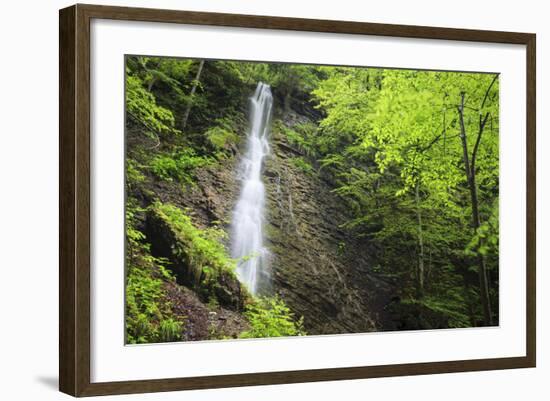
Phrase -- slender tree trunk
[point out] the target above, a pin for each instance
(151, 83)
(476, 221)
(420, 271)
(192, 95)
(430, 266)
(469, 302)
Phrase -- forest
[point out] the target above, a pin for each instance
(374, 193)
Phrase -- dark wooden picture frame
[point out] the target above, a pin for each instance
(74, 203)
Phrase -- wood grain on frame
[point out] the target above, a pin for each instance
(74, 199)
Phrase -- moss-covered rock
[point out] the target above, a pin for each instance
(196, 257)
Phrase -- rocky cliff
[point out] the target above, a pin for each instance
(322, 271)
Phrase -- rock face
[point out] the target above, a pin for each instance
(211, 199)
(203, 321)
(319, 269)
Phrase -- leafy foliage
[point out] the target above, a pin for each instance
(302, 165)
(180, 165)
(271, 317)
(141, 106)
(304, 136)
(134, 176)
(222, 136)
(485, 239)
(392, 140)
(149, 316)
(201, 248)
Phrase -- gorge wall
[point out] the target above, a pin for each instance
(318, 268)
(321, 271)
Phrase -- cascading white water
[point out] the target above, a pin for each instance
(247, 237)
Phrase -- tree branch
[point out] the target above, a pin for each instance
(482, 123)
(463, 137)
(488, 90)
(478, 139)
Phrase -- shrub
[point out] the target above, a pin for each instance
(271, 317)
(133, 175)
(219, 137)
(201, 248)
(178, 166)
(169, 330)
(149, 316)
(142, 106)
(302, 165)
(302, 136)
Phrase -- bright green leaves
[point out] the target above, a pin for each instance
(180, 165)
(149, 317)
(271, 317)
(386, 140)
(134, 176)
(141, 106)
(391, 141)
(222, 136)
(345, 97)
(486, 238)
(219, 137)
(202, 248)
(405, 125)
(304, 137)
(301, 164)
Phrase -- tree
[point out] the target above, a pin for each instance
(470, 169)
(192, 95)
(403, 125)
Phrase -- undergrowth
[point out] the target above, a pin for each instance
(271, 317)
(149, 316)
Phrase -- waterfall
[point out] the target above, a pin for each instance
(247, 237)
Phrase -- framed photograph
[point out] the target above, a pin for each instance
(250, 200)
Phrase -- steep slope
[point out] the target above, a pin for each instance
(318, 268)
